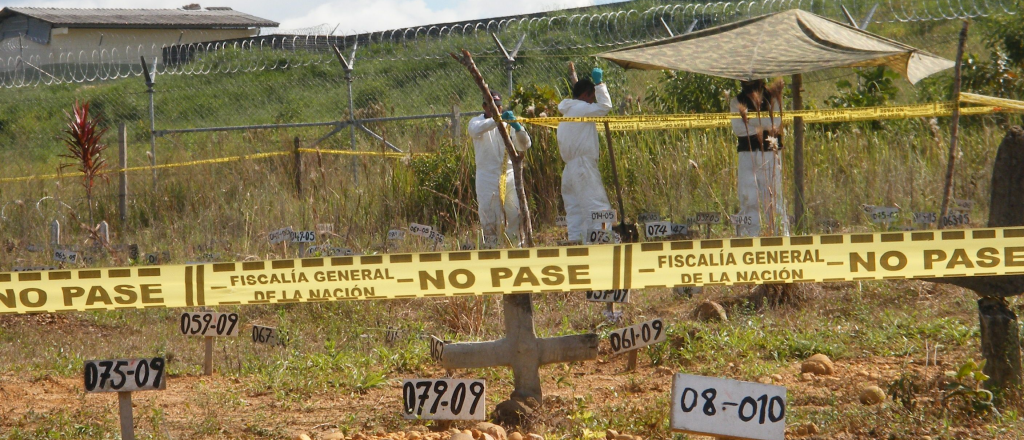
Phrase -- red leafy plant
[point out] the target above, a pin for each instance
(83, 137)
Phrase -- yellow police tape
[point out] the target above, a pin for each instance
(818, 258)
(213, 161)
(361, 153)
(716, 120)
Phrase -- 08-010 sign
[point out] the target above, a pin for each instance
(728, 408)
(444, 399)
(209, 324)
(122, 375)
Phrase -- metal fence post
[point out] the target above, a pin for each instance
(349, 65)
(122, 194)
(456, 122)
(150, 78)
(298, 168)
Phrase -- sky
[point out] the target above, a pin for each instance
(350, 16)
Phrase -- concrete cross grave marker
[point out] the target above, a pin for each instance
(521, 349)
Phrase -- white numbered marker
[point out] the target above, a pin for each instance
(956, 220)
(266, 335)
(119, 375)
(209, 324)
(560, 221)
(280, 235)
(924, 218)
(708, 218)
(444, 399)
(678, 229)
(65, 256)
(741, 220)
(420, 230)
(599, 236)
(657, 229)
(396, 234)
(638, 336)
(884, 214)
(605, 216)
(436, 349)
(648, 217)
(608, 296)
(303, 237)
(437, 237)
(728, 408)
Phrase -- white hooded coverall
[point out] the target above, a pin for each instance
(759, 176)
(490, 153)
(582, 189)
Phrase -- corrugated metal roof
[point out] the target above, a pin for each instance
(141, 18)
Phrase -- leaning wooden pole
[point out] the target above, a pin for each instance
(954, 129)
(517, 159)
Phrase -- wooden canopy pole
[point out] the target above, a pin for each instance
(798, 156)
(954, 127)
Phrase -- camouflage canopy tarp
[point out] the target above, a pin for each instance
(782, 43)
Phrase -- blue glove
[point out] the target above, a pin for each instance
(507, 115)
(597, 75)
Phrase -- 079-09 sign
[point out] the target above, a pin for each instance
(121, 375)
(444, 399)
(728, 408)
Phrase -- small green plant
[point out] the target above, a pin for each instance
(685, 92)
(84, 140)
(875, 87)
(905, 389)
(966, 388)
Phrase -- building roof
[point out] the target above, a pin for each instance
(210, 18)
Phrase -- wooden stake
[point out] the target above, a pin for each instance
(954, 128)
(122, 194)
(208, 357)
(615, 173)
(124, 406)
(517, 159)
(456, 122)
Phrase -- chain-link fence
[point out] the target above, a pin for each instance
(215, 93)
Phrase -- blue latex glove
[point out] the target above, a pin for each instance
(509, 117)
(597, 75)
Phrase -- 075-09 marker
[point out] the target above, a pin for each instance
(121, 375)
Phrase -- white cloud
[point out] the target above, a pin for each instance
(351, 16)
(354, 16)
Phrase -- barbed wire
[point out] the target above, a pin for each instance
(118, 56)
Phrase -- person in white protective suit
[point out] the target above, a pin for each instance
(494, 174)
(759, 174)
(582, 189)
